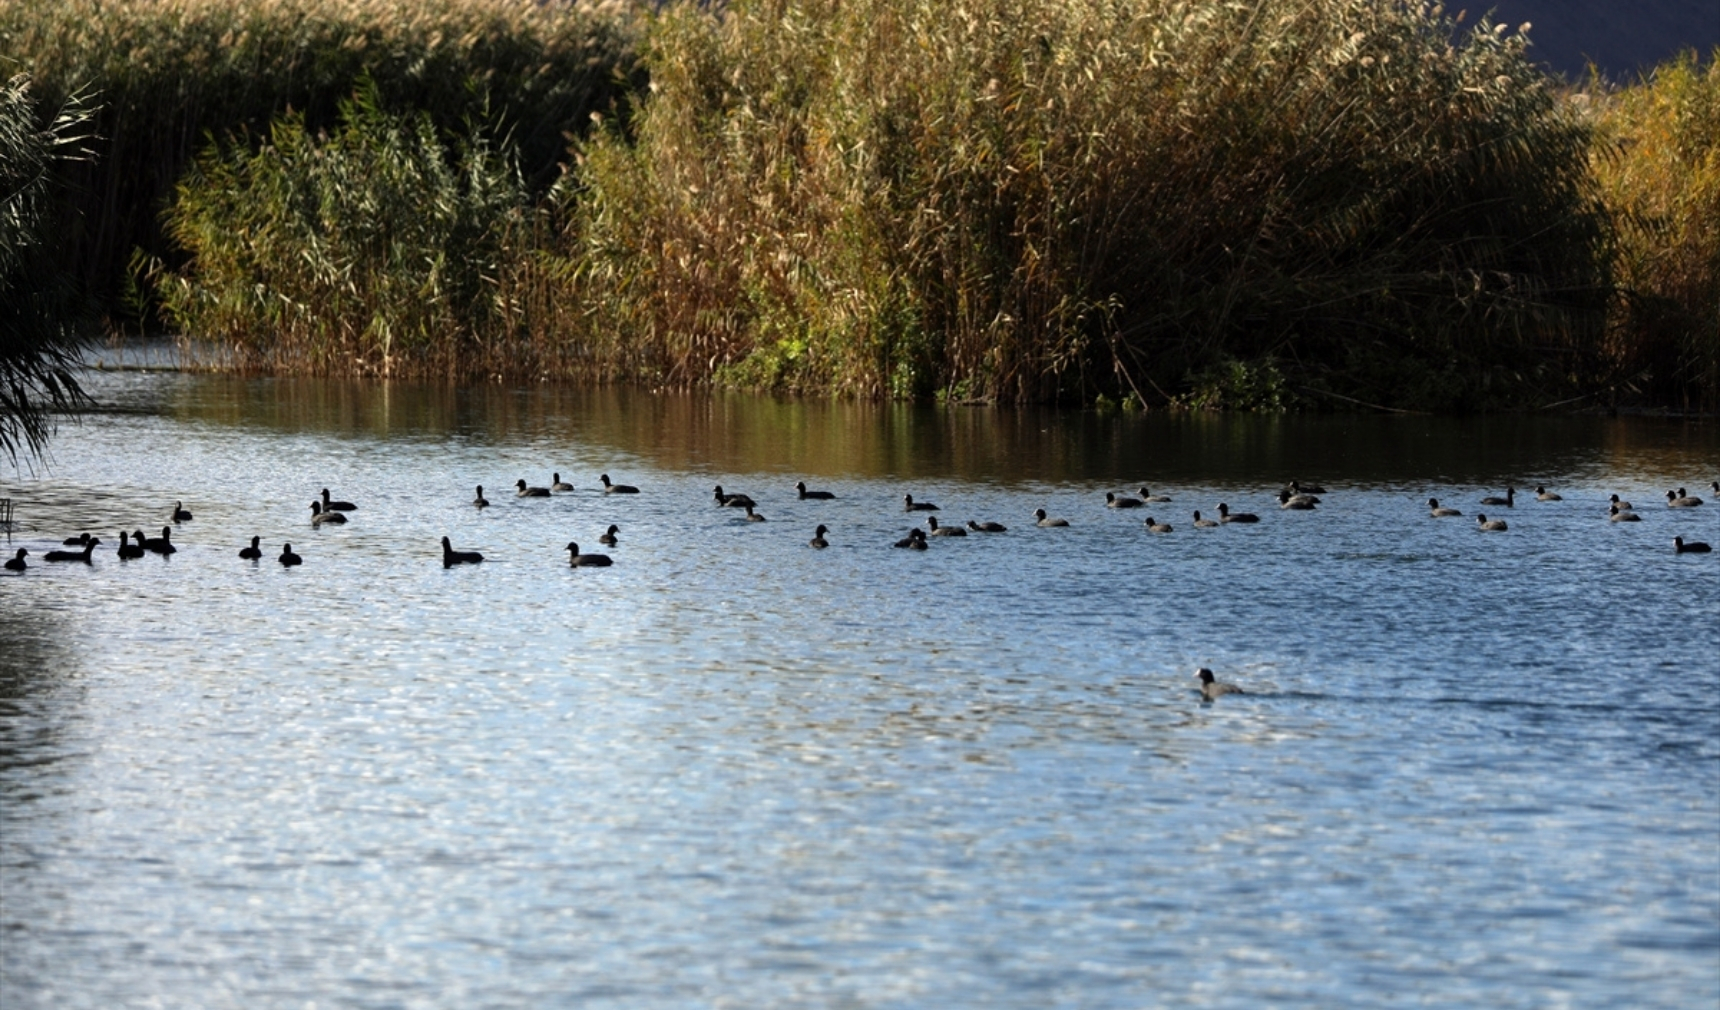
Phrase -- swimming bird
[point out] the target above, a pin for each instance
(944, 531)
(162, 545)
(1680, 547)
(1484, 523)
(1618, 515)
(1542, 494)
(1620, 504)
(179, 513)
(83, 555)
(1154, 526)
(452, 557)
(818, 540)
(1296, 488)
(77, 541)
(1148, 497)
(1211, 688)
(481, 501)
(987, 527)
(16, 563)
(321, 518)
(1296, 502)
(910, 505)
(1508, 501)
(1679, 500)
(557, 484)
(805, 495)
(128, 551)
(1203, 523)
(1114, 502)
(753, 517)
(731, 500)
(1041, 519)
(914, 541)
(609, 488)
(530, 492)
(608, 537)
(1436, 510)
(578, 560)
(336, 506)
(253, 552)
(288, 558)
(1225, 516)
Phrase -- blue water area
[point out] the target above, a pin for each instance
(1470, 769)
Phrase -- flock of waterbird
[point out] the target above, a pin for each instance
(1293, 497)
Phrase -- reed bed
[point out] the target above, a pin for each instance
(1658, 166)
(1027, 200)
(169, 74)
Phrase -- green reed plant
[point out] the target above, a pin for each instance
(39, 309)
(171, 72)
(1658, 165)
(373, 250)
(1030, 200)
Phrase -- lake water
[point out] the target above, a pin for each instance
(1472, 769)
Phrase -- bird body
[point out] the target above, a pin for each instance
(1041, 519)
(557, 484)
(1150, 498)
(805, 495)
(127, 551)
(1153, 526)
(1211, 688)
(1115, 502)
(914, 541)
(944, 531)
(1679, 500)
(1296, 502)
(1542, 494)
(987, 527)
(910, 505)
(1620, 504)
(609, 488)
(336, 506)
(253, 552)
(77, 541)
(1509, 501)
(753, 517)
(530, 492)
(288, 559)
(1680, 547)
(578, 560)
(83, 555)
(1436, 510)
(608, 537)
(321, 518)
(1296, 488)
(452, 557)
(1491, 525)
(731, 500)
(480, 501)
(179, 513)
(162, 545)
(818, 540)
(16, 562)
(1622, 515)
(1226, 516)
(1203, 523)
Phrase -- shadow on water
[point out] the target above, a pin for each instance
(35, 665)
(740, 433)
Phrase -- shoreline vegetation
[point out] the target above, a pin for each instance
(1274, 206)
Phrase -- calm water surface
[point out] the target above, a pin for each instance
(1473, 769)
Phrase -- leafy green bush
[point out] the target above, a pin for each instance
(377, 250)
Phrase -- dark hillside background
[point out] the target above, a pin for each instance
(1622, 37)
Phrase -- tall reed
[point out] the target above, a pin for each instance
(169, 73)
(1034, 199)
(1658, 164)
